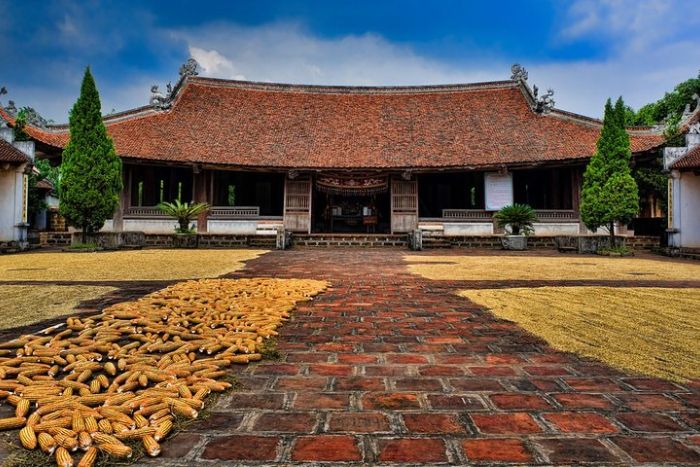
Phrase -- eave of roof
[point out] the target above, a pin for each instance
(690, 161)
(10, 154)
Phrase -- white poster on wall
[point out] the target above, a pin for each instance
(498, 189)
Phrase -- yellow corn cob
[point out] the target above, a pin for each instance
(91, 424)
(110, 368)
(27, 437)
(12, 423)
(137, 433)
(22, 408)
(105, 426)
(150, 445)
(63, 458)
(77, 422)
(163, 430)
(84, 440)
(89, 458)
(46, 443)
(116, 450)
(140, 420)
(104, 438)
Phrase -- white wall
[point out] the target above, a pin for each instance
(689, 210)
(456, 229)
(11, 202)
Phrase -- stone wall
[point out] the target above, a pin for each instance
(61, 239)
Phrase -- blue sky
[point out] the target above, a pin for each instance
(586, 50)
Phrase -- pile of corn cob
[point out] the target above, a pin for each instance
(93, 383)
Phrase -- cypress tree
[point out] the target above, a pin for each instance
(609, 191)
(90, 170)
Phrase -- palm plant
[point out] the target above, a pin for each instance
(183, 212)
(519, 217)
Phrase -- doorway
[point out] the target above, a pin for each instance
(350, 213)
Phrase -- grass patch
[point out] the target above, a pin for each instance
(652, 331)
(82, 246)
(175, 264)
(528, 267)
(269, 350)
(22, 305)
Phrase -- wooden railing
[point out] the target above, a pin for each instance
(480, 215)
(556, 215)
(143, 212)
(234, 212)
(468, 215)
(215, 212)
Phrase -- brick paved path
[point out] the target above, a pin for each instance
(386, 367)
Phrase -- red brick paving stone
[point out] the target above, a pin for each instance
(576, 450)
(357, 358)
(650, 384)
(367, 422)
(329, 369)
(217, 421)
(657, 450)
(412, 450)
(575, 400)
(241, 447)
(301, 383)
(573, 422)
(256, 400)
(505, 423)
(455, 402)
(179, 445)
(496, 450)
(546, 370)
(519, 402)
(441, 370)
(593, 384)
(417, 384)
(276, 369)
(501, 359)
(386, 370)
(359, 383)
(406, 358)
(649, 402)
(285, 421)
(433, 423)
(390, 401)
(476, 384)
(313, 400)
(648, 422)
(492, 370)
(307, 357)
(329, 448)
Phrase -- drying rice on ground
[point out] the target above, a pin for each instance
(26, 304)
(136, 265)
(97, 383)
(653, 331)
(524, 267)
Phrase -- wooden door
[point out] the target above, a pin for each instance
(297, 205)
(404, 205)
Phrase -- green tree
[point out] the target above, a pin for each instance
(90, 171)
(610, 192)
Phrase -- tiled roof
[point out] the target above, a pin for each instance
(689, 161)
(286, 126)
(9, 153)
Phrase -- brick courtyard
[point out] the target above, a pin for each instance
(387, 367)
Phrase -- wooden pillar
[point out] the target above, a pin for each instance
(124, 200)
(199, 188)
(576, 181)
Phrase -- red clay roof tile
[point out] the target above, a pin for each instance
(9, 153)
(690, 161)
(286, 126)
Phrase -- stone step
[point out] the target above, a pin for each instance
(350, 240)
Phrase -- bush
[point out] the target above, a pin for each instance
(518, 217)
(184, 213)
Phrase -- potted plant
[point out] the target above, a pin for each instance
(517, 220)
(184, 213)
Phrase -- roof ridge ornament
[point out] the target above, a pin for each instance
(162, 101)
(518, 73)
(545, 103)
